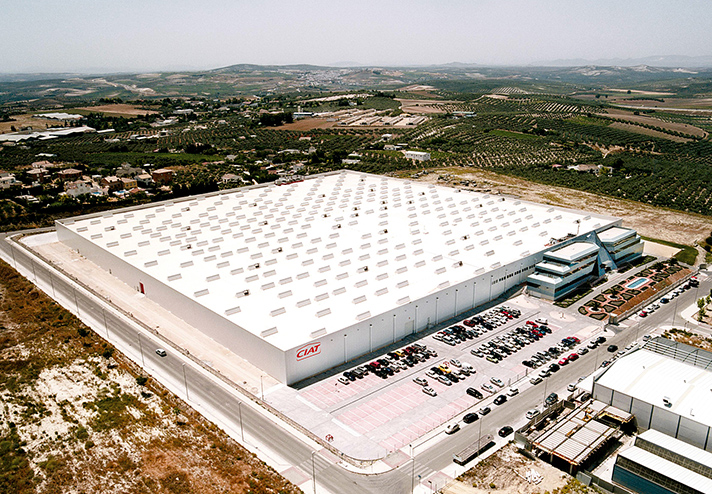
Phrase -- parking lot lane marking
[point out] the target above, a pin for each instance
(346, 428)
(308, 403)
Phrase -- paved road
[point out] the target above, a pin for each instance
(217, 402)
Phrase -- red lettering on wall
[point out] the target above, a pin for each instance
(308, 351)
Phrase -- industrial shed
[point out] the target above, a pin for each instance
(301, 277)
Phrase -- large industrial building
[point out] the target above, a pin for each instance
(666, 385)
(301, 277)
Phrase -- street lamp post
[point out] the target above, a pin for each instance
(412, 475)
(140, 349)
(185, 381)
(262, 387)
(313, 470)
(106, 326)
(242, 431)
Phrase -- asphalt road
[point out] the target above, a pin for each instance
(208, 396)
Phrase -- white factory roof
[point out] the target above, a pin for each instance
(574, 251)
(650, 376)
(320, 255)
(698, 455)
(615, 233)
(671, 470)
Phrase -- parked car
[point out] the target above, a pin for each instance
(474, 393)
(505, 431)
(485, 410)
(582, 351)
(420, 381)
(452, 428)
(551, 399)
(612, 348)
(532, 413)
(430, 391)
(488, 387)
(571, 387)
(470, 417)
(161, 352)
(500, 399)
(513, 391)
(497, 382)
(343, 380)
(535, 380)
(600, 340)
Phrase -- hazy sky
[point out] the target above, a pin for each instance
(127, 35)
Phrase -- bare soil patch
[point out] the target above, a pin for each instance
(648, 132)
(648, 120)
(119, 109)
(505, 473)
(650, 221)
(76, 420)
(26, 120)
(307, 124)
(424, 105)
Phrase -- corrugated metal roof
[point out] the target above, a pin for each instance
(676, 446)
(668, 469)
(648, 376)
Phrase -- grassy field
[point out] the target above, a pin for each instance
(77, 416)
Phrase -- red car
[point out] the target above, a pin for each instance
(572, 357)
(532, 324)
(575, 339)
(643, 313)
(469, 323)
(564, 361)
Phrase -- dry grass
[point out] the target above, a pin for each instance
(26, 120)
(74, 419)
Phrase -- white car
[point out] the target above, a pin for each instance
(161, 352)
(582, 351)
(497, 382)
(513, 391)
(452, 428)
(343, 380)
(488, 387)
(420, 381)
(456, 363)
(544, 373)
(429, 391)
(532, 413)
(571, 387)
(542, 320)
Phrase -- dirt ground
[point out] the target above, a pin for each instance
(505, 473)
(664, 224)
(423, 105)
(307, 124)
(27, 120)
(648, 120)
(122, 110)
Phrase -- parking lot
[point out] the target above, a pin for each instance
(385, 410)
